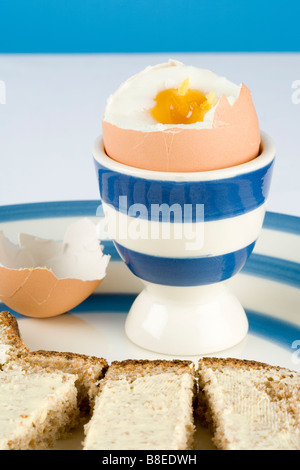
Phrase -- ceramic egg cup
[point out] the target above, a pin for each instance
(186, 307)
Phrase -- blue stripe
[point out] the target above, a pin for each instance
(96, 303)
(259, 265)
(111, 303)
(110, 249)
(275, 269)
(260, 324)
(282, 222)
(184, 271)
(222, 198)
(46, 210)
(276, 330)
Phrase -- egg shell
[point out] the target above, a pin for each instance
(233, 139)
(38, 293)
(44, 278)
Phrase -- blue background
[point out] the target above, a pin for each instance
(92, 26)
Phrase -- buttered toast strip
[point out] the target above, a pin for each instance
(249, 405)
(36, 408)
(143, 405)
(88, 369)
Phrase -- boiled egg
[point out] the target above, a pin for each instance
(177, 118)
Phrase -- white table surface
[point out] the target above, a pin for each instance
(54, 105)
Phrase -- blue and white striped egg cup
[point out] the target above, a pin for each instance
(186, 307)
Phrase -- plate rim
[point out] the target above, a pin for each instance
(259, 265)
(92, 207)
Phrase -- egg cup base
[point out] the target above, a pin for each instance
(186, 321)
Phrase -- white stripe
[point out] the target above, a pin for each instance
(184, 240)
(279, 245)
(266, 296)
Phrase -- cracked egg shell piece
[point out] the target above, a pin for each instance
(229, 134)
(46, 278)
(38, 293)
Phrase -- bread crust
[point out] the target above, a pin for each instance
(132, 368)
(11, 333)
(8, 321)
(216, 363)
(69, 356)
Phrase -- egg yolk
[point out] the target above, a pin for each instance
(182, 105)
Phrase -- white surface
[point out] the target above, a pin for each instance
(54, 105)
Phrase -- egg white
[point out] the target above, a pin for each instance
(129, 107)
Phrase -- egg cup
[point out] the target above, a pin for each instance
(184, 235)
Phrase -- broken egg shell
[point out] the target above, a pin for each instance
(234, 139)
(39, 293)
(45, 278)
